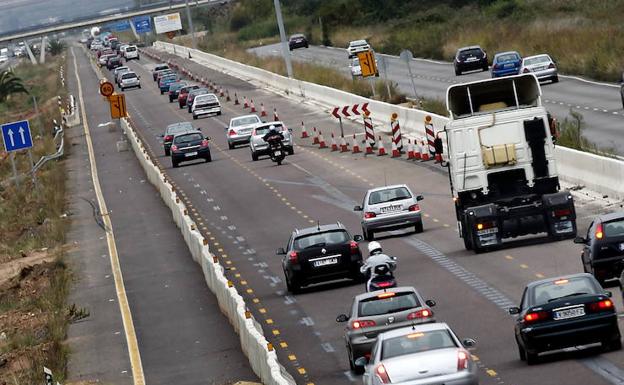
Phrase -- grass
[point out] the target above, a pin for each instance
(571, 136)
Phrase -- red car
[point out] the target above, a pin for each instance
(183, 94)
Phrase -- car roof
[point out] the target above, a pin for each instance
(507, 53)
(388, 187)
(195, 131)
(610, 216)
(319, 229)
(372, 294)
(534, 56)
(414, 329)
(469, 47)
(129, 72)
(244, 116)
(531, 285)
(362, 41)
(206, 96)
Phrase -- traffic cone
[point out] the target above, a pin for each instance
(253, 106)
(245, 104)
(262, 110)
(425, 151)
(369, 148)
(410, 150)
(221, 93)
(227, 96)
(395, 151)
(356, 147)
(275, 116)
(304, 133)
(344, 147)
(236, 102)
(321, 140)
(334, 146)
(416, 150)
(315, 138)
(381, 151)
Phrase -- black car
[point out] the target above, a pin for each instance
(622, 89)
(173, 130)
(603, 247)
(557, 313)
(113, 62)
(297, 41)
(174, 90)
(189, 146)
(469, 59)
(320, 253)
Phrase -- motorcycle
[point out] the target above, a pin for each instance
(276, 152)
(381, 278)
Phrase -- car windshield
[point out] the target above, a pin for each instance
(175, 86)
(614, 228)
(128, 75)
(470, 52)
(536, 60)
(130, 49)
(358, 43)
(356, 62)
(389, 195)
(263, 130)
(553, 290)
(180, 127)
(298, 36)
(384, 304)
(507, 57)
(187, 138)
(326, 238)
(206, 99)
(416, 342)
(160, 68)
(245, 121)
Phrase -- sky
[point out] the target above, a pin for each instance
(20, 14)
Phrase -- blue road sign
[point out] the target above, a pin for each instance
(122, 25)
(142, 24)
(16, 136)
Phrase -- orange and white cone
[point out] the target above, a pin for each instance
(438, 157)
(227, 96)
(245, 104)
(253, 106)
(410, 150)
(304, 133)
(344, 147)
(221, 92)
(416, 150)
(425, 151)
(315, 138)
(395, 151)
(334, 146)
(381, 151)
(262, 110)
(322, 143)
(236, 102)
(356, 147)
(369, 148)
(275, 116)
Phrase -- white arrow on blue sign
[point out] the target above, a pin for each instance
(16, 136)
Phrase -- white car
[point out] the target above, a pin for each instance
(131, 52)
(122, 49)
(240, 128)
(542, 66)
(356, 69)
(258, 146)
(357, 46)
(206, 104)
(104, 59)
(118, 71)
(4, 58)
(128, 80)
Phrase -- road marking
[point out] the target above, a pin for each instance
(491, 372)
(524, 266)
(138, 376)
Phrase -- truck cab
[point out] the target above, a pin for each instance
(501, 162)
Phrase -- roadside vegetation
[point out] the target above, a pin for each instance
(34, 279)
(571, 136)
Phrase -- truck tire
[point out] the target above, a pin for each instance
(465, 236)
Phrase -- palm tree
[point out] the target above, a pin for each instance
(10, 84)
(56, 47)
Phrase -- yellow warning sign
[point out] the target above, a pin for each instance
(118, 106)
(367, 63)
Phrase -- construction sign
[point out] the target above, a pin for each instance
(368, 63)
(118, 106)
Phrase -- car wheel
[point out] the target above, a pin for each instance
(181, 106)
(254, 156)
(161, 92)
(231, 146)
(194, 117)
(555, 79)
(139, 86)
(612, 345)
(170, 100)
(356, 369)
(174, 163)
(219, 113)
(521, 352)
(622, 96)
(457, 72)
(485, 68)
(122, 88)
(293, 286)
(291, 151)
(419, 227)
(167, 152)
(531, 358)
(208, 158)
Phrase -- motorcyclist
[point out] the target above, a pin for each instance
(273, 136)
(376, 257)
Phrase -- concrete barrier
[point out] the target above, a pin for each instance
(600, 174)
(253, 343)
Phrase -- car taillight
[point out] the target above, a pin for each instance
(384, 284)
(169, 138)
(496, 66)
(354, 247)
(424, 313)
(174, 148)
(360, 324)
(526, 71)
(485, 225)
(535, 317)
(415, 207)
(562, 212)
(551, 65)
(603, 305)
(463, 357)
(599, 234)
(369, 214)
(204, 143)
(382, 374)
(232, 133)
(293, 257)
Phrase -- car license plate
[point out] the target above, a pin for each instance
(190, 153)
(390, 209)
(493, 230)
(621, 246)
(569, 313)
(510, 65)
(325, 262)
(278, 153)
(472, 58)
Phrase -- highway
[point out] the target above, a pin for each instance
(250, 208)
(599, 103)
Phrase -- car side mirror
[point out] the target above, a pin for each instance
(162, 135)
(280, 251)
(393, 258)
(514, 310)
(430, 302)
(420, 197)
(580, 240)
(469, 343)
(357, 208)
(342, 318)
(358, 238)
(361, 362)
(208, 138)
(608, 294)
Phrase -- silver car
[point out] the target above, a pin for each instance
(258, 146)
(542, 66)
(356, 69)
(128, 80)
(381, 311)
(390, 208)
(428, 354)
(240, 128)
(118, 71)
(205, 105)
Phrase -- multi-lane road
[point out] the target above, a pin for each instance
(599, 103)
(250, 208)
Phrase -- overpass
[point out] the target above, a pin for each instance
(102, 20)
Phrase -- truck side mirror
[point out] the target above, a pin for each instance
(437, 143)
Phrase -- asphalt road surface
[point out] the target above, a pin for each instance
(599, 103)
(183, 338)
(250, 208)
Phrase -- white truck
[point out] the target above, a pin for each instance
(501, 163)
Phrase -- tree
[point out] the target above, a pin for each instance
(10, 84)
(56, 47)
